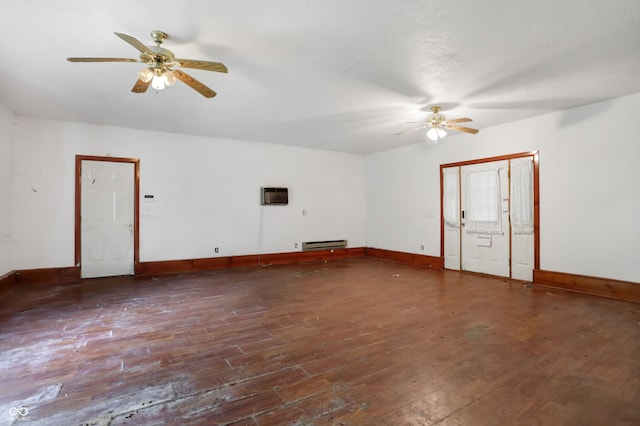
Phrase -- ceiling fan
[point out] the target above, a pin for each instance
(437, 125)
(160, 63)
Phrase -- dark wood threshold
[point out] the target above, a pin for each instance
(604, 287)
(410, 258)
(7, 281)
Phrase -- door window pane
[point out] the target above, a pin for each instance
(482, 209)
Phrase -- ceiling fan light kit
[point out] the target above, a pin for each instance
(160, 62)
(437, 125)
(158, 77)
(435, 134)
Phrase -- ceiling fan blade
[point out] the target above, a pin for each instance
(462, 129)
(201, 65)
(459, 120)
(141, 86)
(101, 60)
(411, 130)
(136, 43)
(194, 84)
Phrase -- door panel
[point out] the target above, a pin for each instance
(452, 248)
(107, 218)
(522, 256)
(451, 207)
(522, 238)
(485, 249)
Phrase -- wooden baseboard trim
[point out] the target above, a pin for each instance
(614, 289)
(48, 275)
(604, 287)
(230, 262)
(67, 274)
(410, 258)
(7, 281)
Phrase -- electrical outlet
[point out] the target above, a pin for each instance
(296, 245)
(421, 247)
(216, 250)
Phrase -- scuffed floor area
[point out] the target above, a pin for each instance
(353, 342)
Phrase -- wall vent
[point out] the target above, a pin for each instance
(324, 245)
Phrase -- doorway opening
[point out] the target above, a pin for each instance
(106, 216)
(490, 215)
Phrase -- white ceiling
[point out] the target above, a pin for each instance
(332, 74)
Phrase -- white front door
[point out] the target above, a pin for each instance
(107, 218)
(485, 220)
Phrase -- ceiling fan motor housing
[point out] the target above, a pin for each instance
(161, 53)
(158, 36)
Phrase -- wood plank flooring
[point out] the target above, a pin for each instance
(353, 342)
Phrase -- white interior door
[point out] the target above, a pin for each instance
(485, 220)
(522, 214)
(451, 216)
(107, 219)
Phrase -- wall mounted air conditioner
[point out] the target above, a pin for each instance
(274, 196)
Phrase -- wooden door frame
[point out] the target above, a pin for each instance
(536, 199)
(136, 204)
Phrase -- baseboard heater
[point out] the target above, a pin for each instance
(324, 245)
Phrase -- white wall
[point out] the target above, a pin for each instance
(207, 190)
(589, 187)
(207, 193)
(6, 137)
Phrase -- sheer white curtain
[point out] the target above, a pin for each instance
(522, 195)
(451, 197)
(482, 202)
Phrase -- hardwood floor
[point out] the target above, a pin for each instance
(353, 342)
